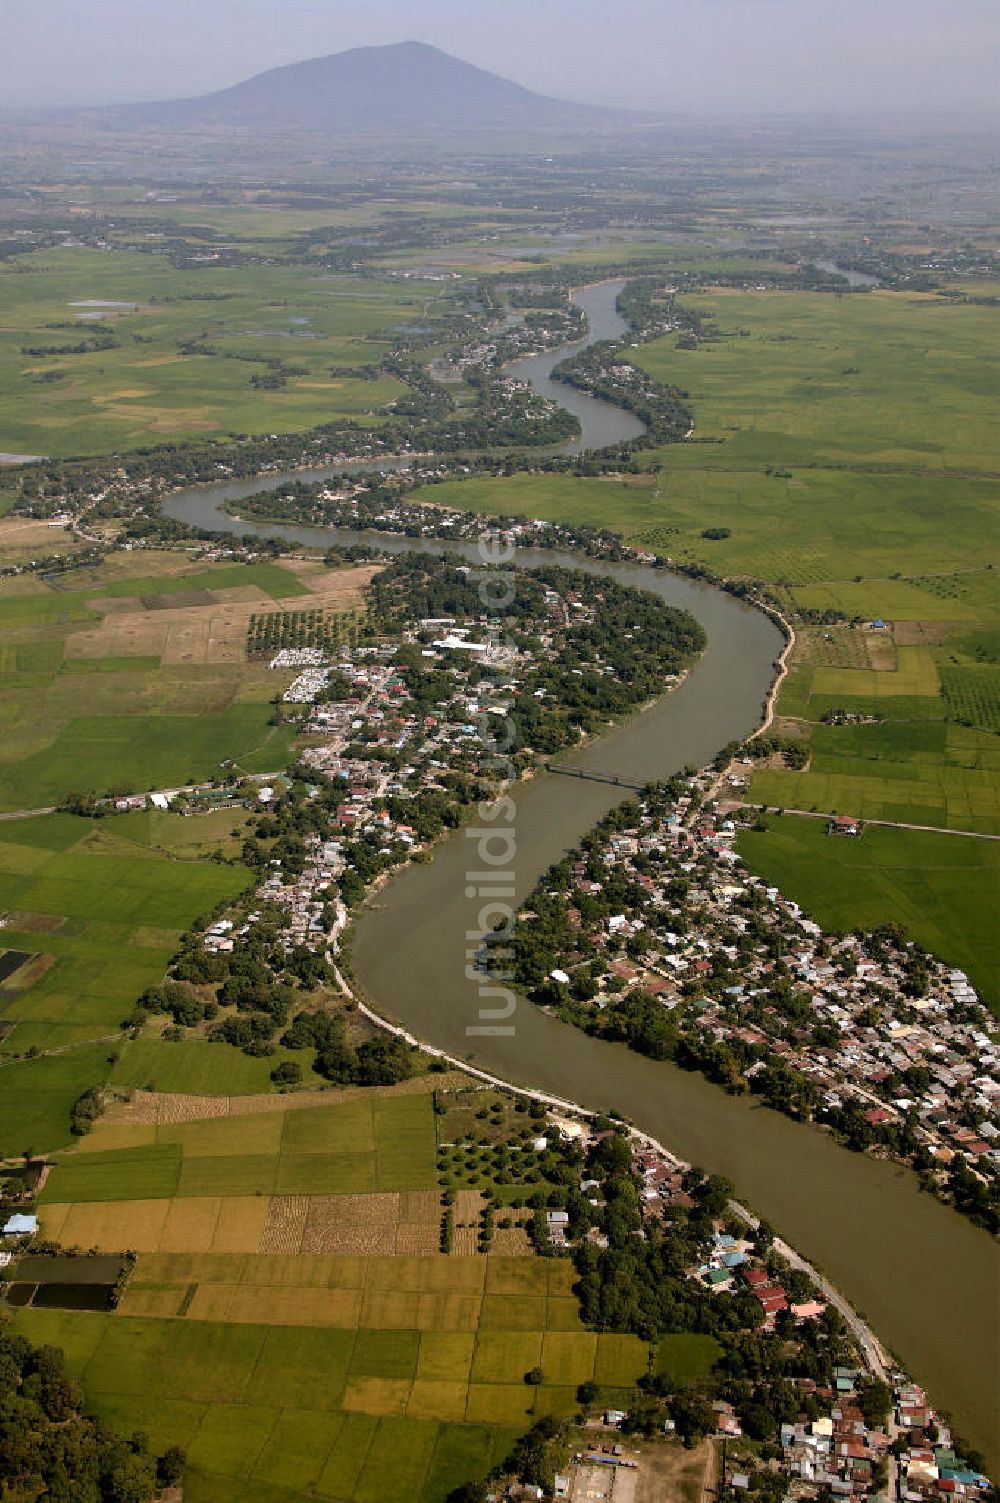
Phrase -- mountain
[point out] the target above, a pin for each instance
(407, 86)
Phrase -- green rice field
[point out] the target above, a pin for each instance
(101, 926)
(355, 1414)
(186, 345)
(98, 928)
(368, 1145)
(943, 888)
(885, 378)
(89, 674)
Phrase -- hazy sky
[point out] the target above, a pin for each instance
(896, 56)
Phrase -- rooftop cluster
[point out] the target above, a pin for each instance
(655, 933)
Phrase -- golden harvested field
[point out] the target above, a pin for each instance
(452, 1297)
(383, 1224)
(205, 1224)
(286, 1222)
(371, 1224)
(512, 1242)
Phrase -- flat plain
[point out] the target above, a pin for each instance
(103, 352)
(844, 447)
(97, 665)
(288, 1370)
(100, 926)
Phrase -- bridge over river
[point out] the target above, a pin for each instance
(594, 775)
(924, 1276)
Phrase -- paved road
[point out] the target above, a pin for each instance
(871, 1348)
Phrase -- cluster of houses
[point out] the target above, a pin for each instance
(313, 913)
(380, 744)
(361, 503)
(403, 749)
(866, 1020)
(731, 1264)
(306, 686)
(511, 339)
(909, 1455)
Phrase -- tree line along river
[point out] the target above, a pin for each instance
(927, 1279)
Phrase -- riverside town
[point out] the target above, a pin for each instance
(499, 754)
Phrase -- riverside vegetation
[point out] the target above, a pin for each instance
(775, 498)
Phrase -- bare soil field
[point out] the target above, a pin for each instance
(28, 536)
(208, 629)
(670, 1474)
(921, 633)
(26, 975)
(881, 649)
(179, 634)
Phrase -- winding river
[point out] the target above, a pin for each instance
(601, 423)
(925, 1277)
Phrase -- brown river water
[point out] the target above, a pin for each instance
(926, 1279)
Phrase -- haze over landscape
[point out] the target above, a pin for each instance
(499, 751)
(691, 56)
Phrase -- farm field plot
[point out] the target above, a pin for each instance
(150, 1107)
(453, 1398)
(99, 929)
(950, 794)
(188, 373)
(95, 753)
(308, 1346)
(137, 677)
(194, 838)
(908, 764)
(686, 1356)
(971, 595)
(885, 377)
(812, 531)
(942, 887)
(194, 1067)
(383, 1144)
(972, 695)
(381, 1223)
(37, 1096)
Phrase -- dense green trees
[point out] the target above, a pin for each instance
(50, 1449)
(86, 1110)
(382, 1060)
(602, 371)
(875, 1402)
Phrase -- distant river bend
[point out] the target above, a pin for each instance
(926, 1278)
